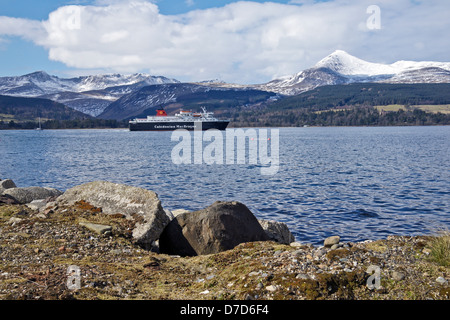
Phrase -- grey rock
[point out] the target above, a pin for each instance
(28, 194)
(298, 253)
(397, 276)
(302, 276)
(219, 227)
(277, 231)
(319, 252)
(297, 244)
(137, 204)
(179, 211)
(37, 204)
(441, 280)
(330, 241)
(97, 228)
(14, 220)
(6, 184)
(272, 288)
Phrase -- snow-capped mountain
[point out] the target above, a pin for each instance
(40, 83)
(116, 95)
(88, 94)
(346, 64)
(341, 67)
(176, 95)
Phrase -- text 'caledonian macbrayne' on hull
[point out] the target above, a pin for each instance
(183, 120)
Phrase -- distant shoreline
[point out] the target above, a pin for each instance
(244, 127)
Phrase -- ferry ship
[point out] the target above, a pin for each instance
(183, 120)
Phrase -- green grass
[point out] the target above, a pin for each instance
(435, 108)
(390, 107)
(440, 249)
(442, 108)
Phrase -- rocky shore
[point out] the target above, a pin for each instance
(108, 241)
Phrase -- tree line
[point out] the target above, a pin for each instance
(366, 94)
(64, 124)
(358, 116)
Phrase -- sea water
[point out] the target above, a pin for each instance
(357, 182)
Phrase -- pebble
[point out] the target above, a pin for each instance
(300, 261)
(397, 276)
(441, 280)
(14, 220)
(296, 244)
(41, 216)
(98, 228)
(320, 252)
(330, 241)
(37, 204)
(272, 288)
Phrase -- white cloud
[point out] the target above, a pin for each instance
(25, 28)
(244, 42)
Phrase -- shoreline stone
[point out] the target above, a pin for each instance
(6, 184)
(330, 241)
(277, 231)
(48, 243)
(114, 267)
(28, 194)
(220, 226)
(139, 205)
(97, 228)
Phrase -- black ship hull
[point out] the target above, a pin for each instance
(173, 125)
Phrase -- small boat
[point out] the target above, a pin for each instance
(40, 127)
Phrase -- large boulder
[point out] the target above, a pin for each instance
(137, 204)
(219, 227)
(277, 231)
(28, 194)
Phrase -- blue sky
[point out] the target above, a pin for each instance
(194, 40)
(33, 9)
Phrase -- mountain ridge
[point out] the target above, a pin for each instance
(346, 68)
(88, 94)
(111, 95)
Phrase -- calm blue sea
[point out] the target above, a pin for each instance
(356, 182)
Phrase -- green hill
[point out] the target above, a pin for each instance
(30, 109)
(353, 105)
(367, 94)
